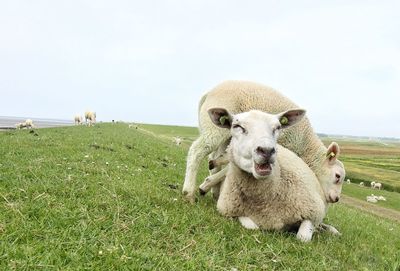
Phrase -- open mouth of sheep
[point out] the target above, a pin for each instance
(263, 169)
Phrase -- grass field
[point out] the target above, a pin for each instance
(109, 198)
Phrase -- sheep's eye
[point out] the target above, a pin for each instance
(237, 126)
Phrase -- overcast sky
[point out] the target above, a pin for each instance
(151, 61)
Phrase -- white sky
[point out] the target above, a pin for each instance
(151, 61)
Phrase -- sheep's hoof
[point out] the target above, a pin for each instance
(189, 197)
(211, 164)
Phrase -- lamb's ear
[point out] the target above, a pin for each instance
(291, 117)
(220, 117)
(333, 152)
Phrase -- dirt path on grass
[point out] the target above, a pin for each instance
(370, 208)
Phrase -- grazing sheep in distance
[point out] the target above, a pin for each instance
(348, 181)
(372, 199)
(267, 186)
(381, 198)
(241, 96)
(378, 186)
(177, 141)
(372, 184)
(361, 184)
(29, 124)
(90, 118)
(78, 119)
(133, 126)
(20, 125)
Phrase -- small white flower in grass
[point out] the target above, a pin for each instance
(100, 252)
(174, 199)
(86, 156)
(93, 162)
(118, 167)
(69, 168)
(107, 163)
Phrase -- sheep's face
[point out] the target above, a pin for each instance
(333, 174)
(254, 137)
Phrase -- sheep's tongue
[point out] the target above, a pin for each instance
(263, 169)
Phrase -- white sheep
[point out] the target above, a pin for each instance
(267, 186)
(381, 198)
(90, 118)
(240, 96)
(372, 199)
(29, 124)
(378, 186)
(134, 126)
(348, 181)
(177, 141)
(372, 184)
(361, 184)
(78, 119)
(20, 125)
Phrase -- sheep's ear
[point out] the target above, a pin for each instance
(333, 152)
(291, 117)
(220, 117)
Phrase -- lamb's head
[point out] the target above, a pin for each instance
(333, 173)
(254, 137)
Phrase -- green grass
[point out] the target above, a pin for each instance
(355, 191)
(109, 198)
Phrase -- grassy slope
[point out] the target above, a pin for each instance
(104, 198)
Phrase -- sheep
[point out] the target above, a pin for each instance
(348, 181)
(372, 199)
(361, 184)
(133, 126)
(378, 186)
(381, 198)
(20, 125)
(268, 186)
(372, 184)
(29, 124)
(90, 118)
(241, 96)
(78, 119)
(177, 141)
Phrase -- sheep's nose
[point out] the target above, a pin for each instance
(336, 199)
(265, 152)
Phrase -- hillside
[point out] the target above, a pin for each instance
(109, 198)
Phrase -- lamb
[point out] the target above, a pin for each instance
(381, 198)
(241, 96)
(20, 125)
(78, 119)
(372, 184)
(348, 181)
(267, 186)
(361, 184)
(372, 199)
(90, 118)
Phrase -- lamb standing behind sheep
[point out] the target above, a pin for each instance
(241, 96)
(265, 186)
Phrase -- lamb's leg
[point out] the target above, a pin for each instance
(329, 228)
(198, 151)
(218, 162)
(248, 223)
(306, 231)
(212, 180)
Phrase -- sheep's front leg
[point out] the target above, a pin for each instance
(305, 231)
(212, 180)
(248, 223)
(329, 228)
(199, 149)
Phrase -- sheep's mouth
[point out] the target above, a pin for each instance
(263, 169)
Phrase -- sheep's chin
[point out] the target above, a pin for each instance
(262, 171)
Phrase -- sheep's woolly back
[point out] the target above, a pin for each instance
(279, 202)
(242, 96)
